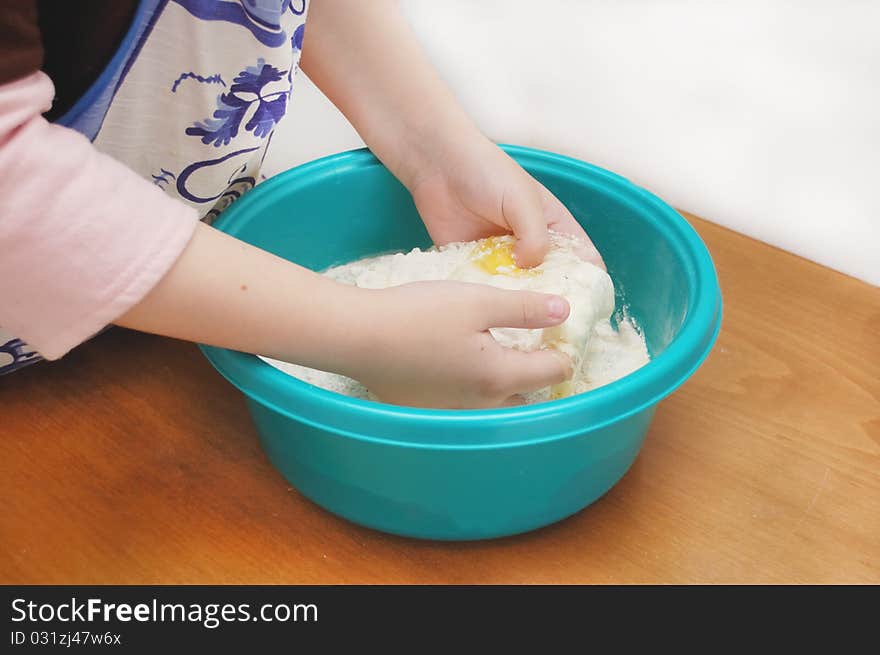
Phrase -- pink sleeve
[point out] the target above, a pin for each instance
(82, 237)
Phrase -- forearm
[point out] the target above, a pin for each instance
(365, 58)
(224, 292)
(106, 246)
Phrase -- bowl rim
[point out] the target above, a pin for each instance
(480, 428)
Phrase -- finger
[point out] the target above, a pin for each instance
(524, 372)
(522, 309)
(516, 400)
(559, 219)
(523, 212)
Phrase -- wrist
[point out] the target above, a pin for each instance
(356, 333)
(339, 333)
(432, 144)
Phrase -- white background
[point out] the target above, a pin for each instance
(763, 116)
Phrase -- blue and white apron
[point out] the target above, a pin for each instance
(190, 101)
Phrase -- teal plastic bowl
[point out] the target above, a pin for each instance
(444, 474)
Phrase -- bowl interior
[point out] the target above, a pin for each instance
(347, 213)
(348, 206)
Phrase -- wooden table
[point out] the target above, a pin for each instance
(132, 461)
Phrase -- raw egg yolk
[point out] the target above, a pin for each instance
(495, 256)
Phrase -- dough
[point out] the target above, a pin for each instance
(599, 353)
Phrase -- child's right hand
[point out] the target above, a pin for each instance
(428, 344)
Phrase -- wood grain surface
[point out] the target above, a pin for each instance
(132, 461)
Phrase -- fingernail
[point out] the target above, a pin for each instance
(557, 307)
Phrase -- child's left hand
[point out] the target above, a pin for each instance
(477, 190)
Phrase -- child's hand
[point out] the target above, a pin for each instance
(427, 344)
(364, 57)
(476, 190)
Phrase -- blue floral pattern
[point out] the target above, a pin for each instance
(298, 36)
(261, 18)
(232, 107)
(201, 79)
(15, 354)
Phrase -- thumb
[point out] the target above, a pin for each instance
(524, 213)
(523, 309)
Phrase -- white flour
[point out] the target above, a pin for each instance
(600, 353)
